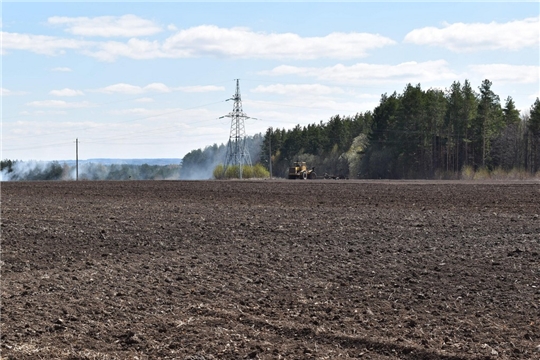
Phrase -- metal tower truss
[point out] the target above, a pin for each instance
(237, 152)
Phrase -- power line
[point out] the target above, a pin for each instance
(38, 146)
(122, 122)
(145, 132)
(295, 106)
(123, 100)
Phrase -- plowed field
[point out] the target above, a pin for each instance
(270, 270)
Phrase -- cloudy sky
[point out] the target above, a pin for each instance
(151, 80)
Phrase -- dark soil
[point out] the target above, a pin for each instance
(270, 270)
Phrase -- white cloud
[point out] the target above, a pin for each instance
(197, 41)
(460, 37)
(209, 40)
(172, 27)
(133, 48)
(508, 73)
(42, 112)
(40, 44)
(50, 128)
(174, 114)
(298, 89)
(61, 69)
(155, 87)
(132, 111)
(314, 98)
(318, 108)
(121, 89)
(145, 100)
(59, 104)
(7, 92)
(362, 73)
(103, 51)
(107, 26)
(66, 92)
(320, 101)
(200, 88)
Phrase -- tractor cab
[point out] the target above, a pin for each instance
(300, 171)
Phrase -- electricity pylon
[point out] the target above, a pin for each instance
(237, 152)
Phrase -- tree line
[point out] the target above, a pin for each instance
(416, 134)
(12, 170)
(423, 134)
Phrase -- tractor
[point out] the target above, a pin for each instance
(300, 171)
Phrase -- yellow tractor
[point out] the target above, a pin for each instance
(300, 171)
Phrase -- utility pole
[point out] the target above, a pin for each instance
(237, 154)
(270, 151)
(77, 159)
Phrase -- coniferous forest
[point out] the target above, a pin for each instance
(457, 133)
(418, 134)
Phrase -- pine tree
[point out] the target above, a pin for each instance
(510, 113)
(506, 149)
(534, 129)
(489, 122)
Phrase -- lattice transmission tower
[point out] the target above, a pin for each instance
(237, 152)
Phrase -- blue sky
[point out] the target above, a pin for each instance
(150, 80)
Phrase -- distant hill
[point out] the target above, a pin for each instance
(162, 161)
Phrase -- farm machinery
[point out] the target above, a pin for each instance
(300, 171)
(335, 177)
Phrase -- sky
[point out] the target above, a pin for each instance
(152, 79)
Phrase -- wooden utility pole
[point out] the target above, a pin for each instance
(77, 159)
(270, 152)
